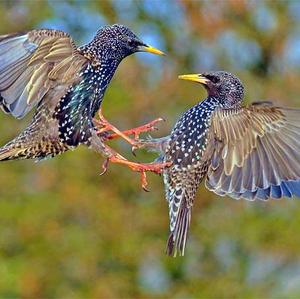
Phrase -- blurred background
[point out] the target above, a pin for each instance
(66, 232)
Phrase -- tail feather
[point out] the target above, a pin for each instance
(180, 218)
(18, 149)
(10, 152)
(178, 237)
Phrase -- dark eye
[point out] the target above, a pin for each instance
(213, 79)
(131, 42)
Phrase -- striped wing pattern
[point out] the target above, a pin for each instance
(32, 63)
(256, 152)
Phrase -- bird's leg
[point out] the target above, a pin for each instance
(137, 131)
(105, 126)
(158, 145)
(138, 167)
(112, 156)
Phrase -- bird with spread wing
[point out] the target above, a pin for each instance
(44, 68)
(244, 152)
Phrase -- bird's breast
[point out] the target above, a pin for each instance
(74, 113)
(189, 138)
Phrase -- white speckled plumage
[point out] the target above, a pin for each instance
(243, 152)
(44, 68)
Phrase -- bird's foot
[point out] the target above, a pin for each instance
(138, 167)
(151, 126)
(105, 126)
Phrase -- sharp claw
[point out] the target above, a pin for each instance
(139, 167)
(133, 149)
(103, 172)
(159, 119)
(104, 166)
(145, 189)
(144, 181)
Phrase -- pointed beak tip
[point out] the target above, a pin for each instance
(194, 77)
(191, 77)
(152, 50)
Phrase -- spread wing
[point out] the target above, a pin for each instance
(32, 63)
(257, 152)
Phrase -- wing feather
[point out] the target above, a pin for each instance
(31, 63)
(257, 152)
(17, 87)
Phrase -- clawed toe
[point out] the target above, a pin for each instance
(105, 166)
(103, 127)
(138, 167)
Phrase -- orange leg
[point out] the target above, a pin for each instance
(135, 166)
(138, 130)
(105, 126)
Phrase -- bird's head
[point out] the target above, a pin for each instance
(117, 41)
(222, 85)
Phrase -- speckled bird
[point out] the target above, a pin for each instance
(44, 68)
(244, 152)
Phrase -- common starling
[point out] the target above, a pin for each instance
(44, 68)
(244, 152)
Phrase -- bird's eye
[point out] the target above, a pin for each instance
(213, 79)
(131, 42)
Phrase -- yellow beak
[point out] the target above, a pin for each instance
(150, 49)
(194, 77)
